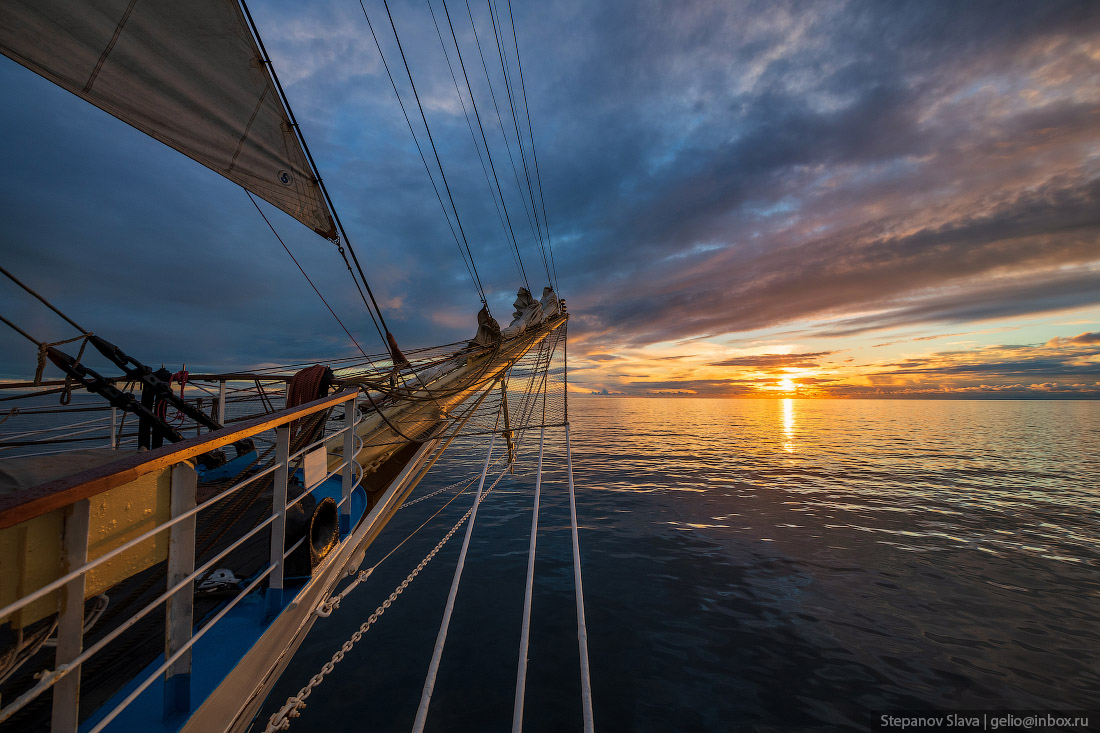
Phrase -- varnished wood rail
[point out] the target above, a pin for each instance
(44, 498)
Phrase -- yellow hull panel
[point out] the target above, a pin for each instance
(30, 552)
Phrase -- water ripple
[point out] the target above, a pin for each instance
(829, 559)
(757, 565)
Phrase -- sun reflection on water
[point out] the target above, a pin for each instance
(788, 425)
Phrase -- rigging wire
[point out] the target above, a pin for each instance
(446, 214)
(578, 588)
(45, 302)
(427, 128)
(295, 259)
(525, 624)
(493, 193)
(441, 638)
(534, 154)
(500, 120)
(535, 230)
(498, 30)
(484, 138)
(44, 347)
(265, 58)
(21, 332)
(280, 720)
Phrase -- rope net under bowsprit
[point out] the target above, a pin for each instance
(515, 433)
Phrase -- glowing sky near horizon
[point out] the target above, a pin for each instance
(822, 199)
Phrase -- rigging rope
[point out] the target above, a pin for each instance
(419, 499)
(44, 346)
(295, 259)
(326, 607)
(498, 30)
(510, 230)
(493, 193)
(281, 720)
(427, 128)
(500, 121)
(469, 264)
(47, 303)
(290, 709)
(525, 634)
(441, 637)
(534, 154)
(265, 58)
(582, 629)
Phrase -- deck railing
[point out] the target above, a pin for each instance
(74, 495)
(211, 394)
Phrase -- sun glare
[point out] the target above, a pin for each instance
(787, 384)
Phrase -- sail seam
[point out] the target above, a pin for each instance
(247, 129)
(110, 46)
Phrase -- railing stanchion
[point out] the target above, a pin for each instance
(70, 624)
(221, 402)
(278, 527)
(180, 612)
(72, 497)
(351, 407)
(114, 427)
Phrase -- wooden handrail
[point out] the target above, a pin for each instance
(230, 377)
(44, 498)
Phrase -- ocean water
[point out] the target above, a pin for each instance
(747, 565)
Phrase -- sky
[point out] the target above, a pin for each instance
(744, 199)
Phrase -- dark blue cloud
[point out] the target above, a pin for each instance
(708, 168)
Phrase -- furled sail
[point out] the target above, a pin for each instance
(187, 73)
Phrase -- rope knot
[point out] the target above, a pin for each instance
(42, 349)
(43, 355)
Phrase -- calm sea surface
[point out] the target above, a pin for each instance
(748, 565)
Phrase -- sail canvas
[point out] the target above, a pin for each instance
(189, 74)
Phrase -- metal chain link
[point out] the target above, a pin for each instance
(290, 709)
(445, 488)
(435, 493)
(326, 607)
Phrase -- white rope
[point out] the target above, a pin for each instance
(328, 605)
(441, 638)
(582, 630)
(291, 708)
(525, 635)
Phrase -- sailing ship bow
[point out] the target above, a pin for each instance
(189, 74)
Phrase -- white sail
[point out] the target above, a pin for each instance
(187, 73)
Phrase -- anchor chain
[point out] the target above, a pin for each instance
(293, 705)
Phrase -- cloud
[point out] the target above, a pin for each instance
(776, 362)
(709, 168)
(894, 180)
(1021, 294)
(1059, 361)
(1081, 338)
